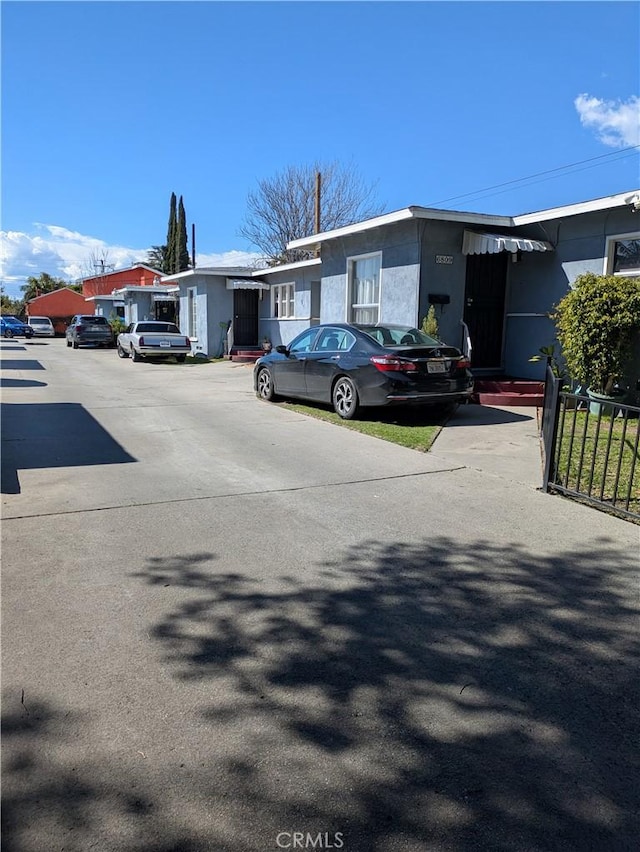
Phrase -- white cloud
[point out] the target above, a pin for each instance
(616, 123)
(68, 254)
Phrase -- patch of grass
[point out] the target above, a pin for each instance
(415, 428)
(609, 468)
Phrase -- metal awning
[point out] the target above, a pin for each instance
(163, 297)
(483, 243)
(246, 284)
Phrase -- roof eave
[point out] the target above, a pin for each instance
(413, 212)
(608, 202)
(286, 267)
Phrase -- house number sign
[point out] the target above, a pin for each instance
(444, 258)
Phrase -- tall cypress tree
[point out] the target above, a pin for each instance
(182, 253)
(170, 264)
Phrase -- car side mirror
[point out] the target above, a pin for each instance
(282, 349)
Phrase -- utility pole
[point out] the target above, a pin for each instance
(318, 194)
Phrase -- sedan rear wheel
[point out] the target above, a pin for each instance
(135, 356)
(75, 344)
(265, 385)
(122, 353)
(345, 398)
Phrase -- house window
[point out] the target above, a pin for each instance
(283, 301)
(192, 311)
(364, 288)
(623, 255)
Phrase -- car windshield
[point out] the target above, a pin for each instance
(166, 327)
(399, 335)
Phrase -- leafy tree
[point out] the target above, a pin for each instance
(172, 241)
(173, 256)
(283, 207)
(157, 258)
(182, 254)
(11, 306)
(38, 285)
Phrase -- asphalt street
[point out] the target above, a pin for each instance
(227, 626)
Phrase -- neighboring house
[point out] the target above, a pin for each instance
(59, 305)
(138, 275)
(225, 309)
(106, 306)
(149, 302)
(494, 279)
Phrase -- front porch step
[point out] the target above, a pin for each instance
(509, 392)
(245, 356)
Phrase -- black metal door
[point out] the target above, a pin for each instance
(245, 318)
(484, 307)
(166, 311)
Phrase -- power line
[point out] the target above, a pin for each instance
(489, 189)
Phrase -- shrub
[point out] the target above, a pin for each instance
(596, 324)
(430, 323)
(117, 324)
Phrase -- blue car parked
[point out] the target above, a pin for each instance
(11, 326)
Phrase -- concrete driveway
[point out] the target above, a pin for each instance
(226, 626)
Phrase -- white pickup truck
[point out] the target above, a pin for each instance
(153, 339)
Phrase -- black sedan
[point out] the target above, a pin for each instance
(350, 366)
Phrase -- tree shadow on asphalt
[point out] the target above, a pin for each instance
(411, 697)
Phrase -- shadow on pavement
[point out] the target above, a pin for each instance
(21, 365)
(52, 435)
(21, 383)
(483, 415)
(432, 696)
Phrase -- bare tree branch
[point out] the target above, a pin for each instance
(282, 208)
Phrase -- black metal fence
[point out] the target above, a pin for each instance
(590, 449)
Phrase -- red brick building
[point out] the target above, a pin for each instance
(138, 275)
(59, 305)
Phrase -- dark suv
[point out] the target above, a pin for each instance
(89, 328)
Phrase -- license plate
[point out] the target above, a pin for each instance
(436, 367)
(165, 344)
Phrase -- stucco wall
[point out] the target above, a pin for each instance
(441, 240)
(540, 279)
(214, 305)
(138, 306)
(400, 277)
(283, 330)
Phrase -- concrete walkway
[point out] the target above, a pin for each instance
(502, 442)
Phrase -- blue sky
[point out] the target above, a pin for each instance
(108, 107)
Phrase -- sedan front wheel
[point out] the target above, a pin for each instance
(345, 398)
(122, 353)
